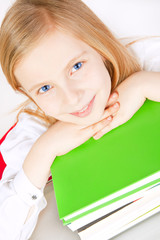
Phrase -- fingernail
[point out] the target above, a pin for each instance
(116, 105)
(114, 95)
(109, 118)
(97, 137)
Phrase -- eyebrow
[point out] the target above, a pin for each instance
(72, 61)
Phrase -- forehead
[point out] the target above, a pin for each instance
(52, 53)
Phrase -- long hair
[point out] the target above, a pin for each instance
(28, 21)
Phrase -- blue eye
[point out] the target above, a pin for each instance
(76, 67)
(45, 88)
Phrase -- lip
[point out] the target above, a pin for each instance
(87, 109)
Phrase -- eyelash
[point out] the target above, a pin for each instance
(50, 87)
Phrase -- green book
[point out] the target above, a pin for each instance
(101, 173)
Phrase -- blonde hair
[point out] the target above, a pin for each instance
(28, 21)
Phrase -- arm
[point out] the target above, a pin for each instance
(133, 92)
(15, 206)
(29, 151)
(150, 85)
(59, 139)
(16, 191)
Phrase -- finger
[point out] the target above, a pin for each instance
(107, 129)
(112, 99)
(112, 110)
(93, 129)
(100, 125)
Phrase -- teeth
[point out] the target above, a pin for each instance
(84, 109)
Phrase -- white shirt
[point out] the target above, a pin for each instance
(17, 193)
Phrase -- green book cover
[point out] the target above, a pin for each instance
(99, 168)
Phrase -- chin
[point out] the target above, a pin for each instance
(94, 116)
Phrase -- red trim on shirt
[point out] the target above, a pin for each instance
(49, 179)
(2, 162)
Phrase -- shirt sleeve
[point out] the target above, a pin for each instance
(17, 194)
(147, 51)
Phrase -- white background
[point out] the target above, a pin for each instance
(126, 18)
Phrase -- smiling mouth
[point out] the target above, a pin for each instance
(85, 111)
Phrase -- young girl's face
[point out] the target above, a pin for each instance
(66, 78)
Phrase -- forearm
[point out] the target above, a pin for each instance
(133, 92)
(39, 160)
(150, 85)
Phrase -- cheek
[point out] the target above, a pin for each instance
(48, 106)
(101, 78)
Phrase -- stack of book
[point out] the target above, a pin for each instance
(105, 186)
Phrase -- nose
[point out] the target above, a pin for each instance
(72, 95)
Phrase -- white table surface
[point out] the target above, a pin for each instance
(51, 228)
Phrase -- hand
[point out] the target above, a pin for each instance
(60, 138)
(131, 99)
(67, 136)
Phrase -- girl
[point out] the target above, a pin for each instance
(60, 55)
